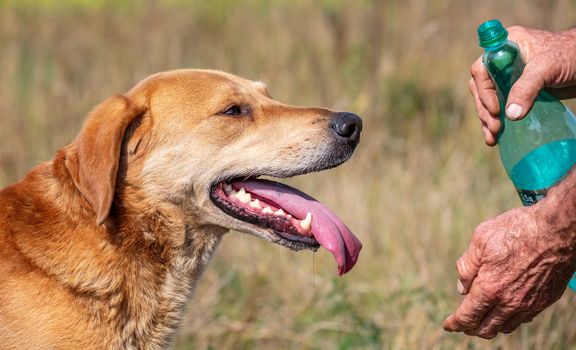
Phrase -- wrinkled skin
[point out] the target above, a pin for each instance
(550, 63)
(516, 265)
(520, 262)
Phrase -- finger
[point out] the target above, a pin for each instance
(470, 313)
(492, 122)
(489, 137)
(492, 323)
(485, 87)
(526, 89)
(515, 321)
(468, 266)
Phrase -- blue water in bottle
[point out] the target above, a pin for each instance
(542, 168)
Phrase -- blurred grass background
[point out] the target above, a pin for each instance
(414, 191)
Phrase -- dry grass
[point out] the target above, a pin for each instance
(419, 183)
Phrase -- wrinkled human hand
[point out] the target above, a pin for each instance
(550, 63)
(516, 265)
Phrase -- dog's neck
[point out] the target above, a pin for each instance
(134, 274)
(169, 256)
(156, 299)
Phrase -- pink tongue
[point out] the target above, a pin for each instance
(327, 228)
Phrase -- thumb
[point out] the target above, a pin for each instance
(468, 266)
(526, 89)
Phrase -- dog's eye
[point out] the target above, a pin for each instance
(235, 111)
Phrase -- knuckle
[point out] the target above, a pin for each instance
(492, 124)
(511, 303)
(466, 321)
(484, 115)
(529, 86)
(487, 334)
(522, 88)
(476, 69)
(490, 291)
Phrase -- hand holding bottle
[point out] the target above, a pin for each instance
(550, 63)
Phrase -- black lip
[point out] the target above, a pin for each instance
(281, 228)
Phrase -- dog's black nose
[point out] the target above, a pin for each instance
(347, 126)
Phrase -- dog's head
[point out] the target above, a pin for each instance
(201, 139)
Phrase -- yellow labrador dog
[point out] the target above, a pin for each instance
(100, 247)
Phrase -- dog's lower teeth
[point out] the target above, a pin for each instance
(245, 197)
(306, 224)
(255, 204)
(267, 210)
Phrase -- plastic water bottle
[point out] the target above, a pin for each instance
(539, 150)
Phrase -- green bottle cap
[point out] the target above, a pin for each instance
(491, 32)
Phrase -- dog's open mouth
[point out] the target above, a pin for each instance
(298, 219)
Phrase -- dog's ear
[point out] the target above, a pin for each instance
(93, 158)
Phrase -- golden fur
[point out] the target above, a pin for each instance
(101, 246)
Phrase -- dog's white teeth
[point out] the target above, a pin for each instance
(247, 198)
(306, 224)
(255, 204)
(228, 189)
(243, 196)
(279, 212)
(267, 210)
(237, 194)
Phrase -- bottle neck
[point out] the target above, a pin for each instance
(496, 46)
(504, 64)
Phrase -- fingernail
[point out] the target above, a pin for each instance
(460, 287)
(514, 111)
